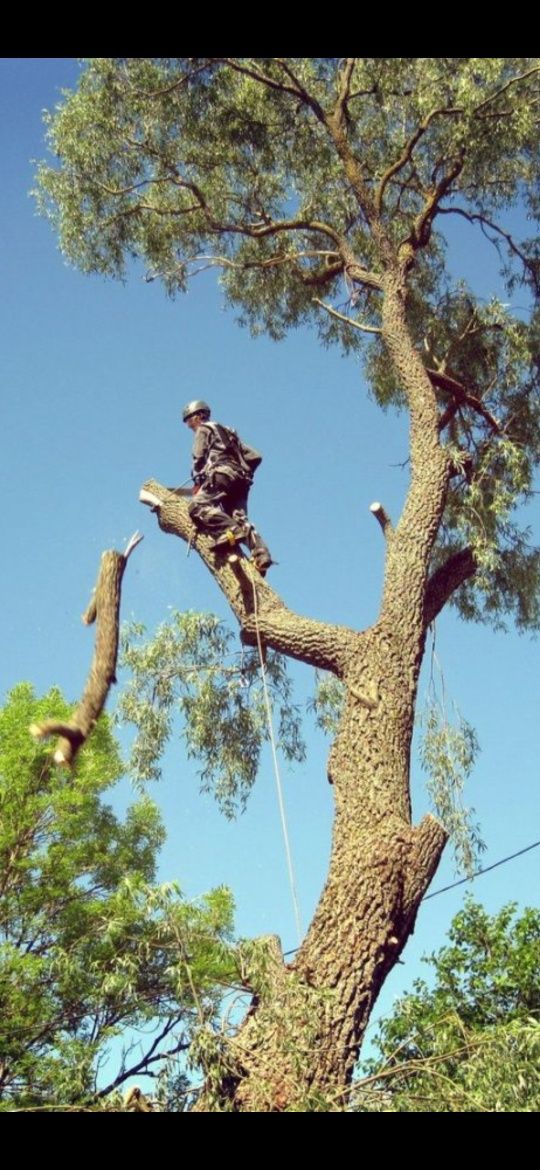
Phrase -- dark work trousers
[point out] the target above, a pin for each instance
(221, 504)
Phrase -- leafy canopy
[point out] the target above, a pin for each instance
(91, 948)
(469, 1042)
(309, 182)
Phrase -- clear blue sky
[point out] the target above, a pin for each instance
(94, 376)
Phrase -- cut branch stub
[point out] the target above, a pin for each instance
(382, 516)
(105, 607)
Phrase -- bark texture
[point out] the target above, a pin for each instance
(301, 1039)
(299, 1042)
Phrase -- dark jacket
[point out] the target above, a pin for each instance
(217, 448)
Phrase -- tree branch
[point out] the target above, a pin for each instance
(382, 516)
(406, 154)
(344, 88)
(295, 90)
(316, 643)
(105, 606)
(532, 266)
(445, 382)
(150, 1057)
(347, 320)
(421, 230)
(513, 81)
(445, 580)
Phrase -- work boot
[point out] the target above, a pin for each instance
(262, 560)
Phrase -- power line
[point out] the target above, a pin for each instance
(478, 872)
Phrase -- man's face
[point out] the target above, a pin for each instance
(194, 421)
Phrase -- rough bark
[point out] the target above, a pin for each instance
(303, 1035)
(301, 1038)
(251, 598)
(103, 607)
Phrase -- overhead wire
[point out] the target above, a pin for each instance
(462, 881)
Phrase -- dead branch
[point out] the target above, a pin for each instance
(104, 606)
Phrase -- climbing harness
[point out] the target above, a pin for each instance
(227, 445)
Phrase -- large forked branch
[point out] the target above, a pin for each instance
(104, 606)
(256, 605)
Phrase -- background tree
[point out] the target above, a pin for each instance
(318, 186)
(92, 951)
(469, 1041)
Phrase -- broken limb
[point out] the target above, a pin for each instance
(105, 607)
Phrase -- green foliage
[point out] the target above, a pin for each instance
(189, 668)
(469, 1043)
(327, 702)
(448, 750)
(91, 949)
(237, 164)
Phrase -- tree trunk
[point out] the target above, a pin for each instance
(298, 1045)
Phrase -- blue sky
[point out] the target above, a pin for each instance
(94, 378)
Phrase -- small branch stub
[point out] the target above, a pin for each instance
(382, 516)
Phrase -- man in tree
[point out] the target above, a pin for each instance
(307, 181)
(222, 472)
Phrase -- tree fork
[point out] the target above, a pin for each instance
(103, 607)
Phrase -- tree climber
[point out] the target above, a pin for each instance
(222, 470)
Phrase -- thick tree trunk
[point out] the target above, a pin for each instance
(297, 1050)
(301, 1038)
(298, 1045)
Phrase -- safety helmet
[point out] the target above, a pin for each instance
(196, 407)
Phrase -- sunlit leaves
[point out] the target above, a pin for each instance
(90, 946)
(185, 163)
(327, 702)
(192, 668)
(448, 749)
(470, 1042)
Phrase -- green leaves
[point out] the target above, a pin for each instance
(470, 1043)
(91, 947)
(293, 177)
(448, 750)
(190, 669)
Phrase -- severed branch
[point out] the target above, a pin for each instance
(445, 580)
(104, 606)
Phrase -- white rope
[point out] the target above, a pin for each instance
(279, 786)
